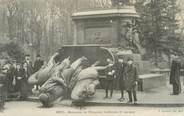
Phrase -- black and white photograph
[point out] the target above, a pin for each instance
(91, 57)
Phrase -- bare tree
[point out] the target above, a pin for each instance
(12, 8)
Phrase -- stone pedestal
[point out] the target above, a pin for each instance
(103, 26)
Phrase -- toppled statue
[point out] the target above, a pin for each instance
(57, 78)
(54, 87)
(86, 83)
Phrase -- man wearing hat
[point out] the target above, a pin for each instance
(38, 63)
(28, 70)
(131, 80)
(29, 64)
(121, 65)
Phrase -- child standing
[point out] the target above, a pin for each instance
(110, 75)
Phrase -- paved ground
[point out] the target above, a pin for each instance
(154, 98)
(159, 95)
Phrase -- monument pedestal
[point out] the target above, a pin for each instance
(103, 26)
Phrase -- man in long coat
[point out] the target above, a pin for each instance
(26, 89)
(120, 75)
(38, 63)
(3, 87)
(29, 64)
(37, 66)
(131, 80)
(175, 76)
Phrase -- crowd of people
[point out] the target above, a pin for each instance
(14, 77)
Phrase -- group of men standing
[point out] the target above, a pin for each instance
(127, 76)
(16, 76)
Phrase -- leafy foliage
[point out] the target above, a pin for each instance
(158, 26)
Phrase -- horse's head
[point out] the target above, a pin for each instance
(67, 62)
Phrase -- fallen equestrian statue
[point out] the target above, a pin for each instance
(73, 77)
(54, 87)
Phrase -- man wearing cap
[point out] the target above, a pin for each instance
(38, 63)
(131, 80)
